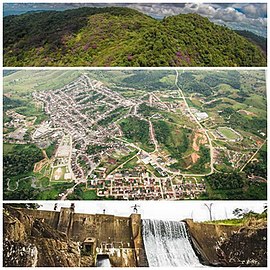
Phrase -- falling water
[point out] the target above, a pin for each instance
(103, 262)
(167, 244)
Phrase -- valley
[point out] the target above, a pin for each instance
(135, 135)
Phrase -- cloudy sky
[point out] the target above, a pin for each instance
(244, 16)
(165, 210)
(248, 16)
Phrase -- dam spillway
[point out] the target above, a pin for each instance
(103, 261)
(167, 244)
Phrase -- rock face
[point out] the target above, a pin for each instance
(31, 242)
(247, 247)
(226, 245)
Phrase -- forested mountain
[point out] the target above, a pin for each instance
(259, 40)
(118, 36)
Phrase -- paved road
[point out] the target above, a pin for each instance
(201, 127)
(252, 156)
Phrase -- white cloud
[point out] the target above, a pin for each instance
(245, 16)
(239, 16)
(255, 10)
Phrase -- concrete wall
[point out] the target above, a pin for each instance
(50, 217)
(120, 237)
(136, 226)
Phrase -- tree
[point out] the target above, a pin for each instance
(238, 212)
(265, 208)
(243, 213)
(209, 207)
(24, 205)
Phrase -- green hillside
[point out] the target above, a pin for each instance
(122, 37)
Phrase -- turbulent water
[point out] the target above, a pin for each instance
(167, 244)
(103, 262)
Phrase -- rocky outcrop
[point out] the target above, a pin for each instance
(31, 242)
(247, 247)
(227, 245)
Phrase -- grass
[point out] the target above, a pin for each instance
(44, 181)
(89, 195)
(246, 218)
(230, 222)
(132, 94)
(121, 160)
(13, 184)
(7, 148)
(228, 133)
(63, 171)
(176, 119)
(176, 140)
(23, 82)
(152, 170)
(137, 131)
(168, 79)
(256, 101)
(23, 184)
(51, 194)
(53, 191)
(50, 150)
(131, 164)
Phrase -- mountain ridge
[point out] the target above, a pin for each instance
(117, 36)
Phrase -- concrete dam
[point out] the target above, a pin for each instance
(66, 238)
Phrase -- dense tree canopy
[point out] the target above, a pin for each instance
(115, 36)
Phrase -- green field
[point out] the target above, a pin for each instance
(228, 133)
(8, 148)
(23, 83)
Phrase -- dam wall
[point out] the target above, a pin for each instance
(67, 238)
(119, 237)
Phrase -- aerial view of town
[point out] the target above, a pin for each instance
(134, 134)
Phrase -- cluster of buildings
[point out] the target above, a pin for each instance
(144, 186)
(76, 109)
(18, 127)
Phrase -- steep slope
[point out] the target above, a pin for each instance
(122, 37)
(258, 40)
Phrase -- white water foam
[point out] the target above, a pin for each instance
(167, 244)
